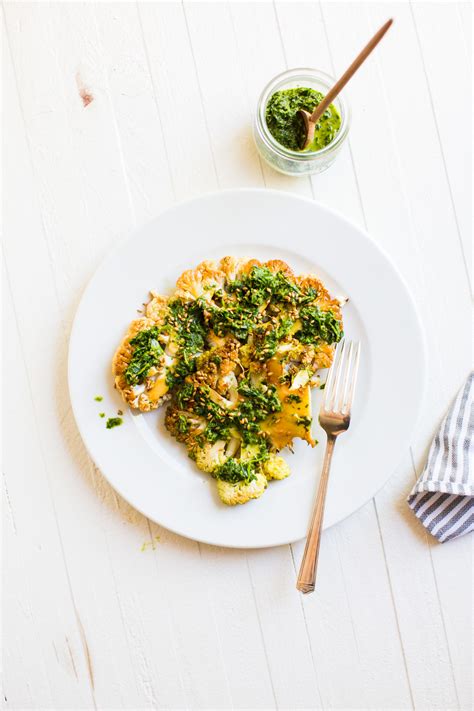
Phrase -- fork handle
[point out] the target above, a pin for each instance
(307, 574)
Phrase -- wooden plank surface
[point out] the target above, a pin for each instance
(112, 112)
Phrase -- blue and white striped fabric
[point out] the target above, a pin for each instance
(443, 497)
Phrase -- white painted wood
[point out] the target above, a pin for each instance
(136, 111)
(178, 96)
(44, 660)
(450, 566)
(306, 45)
(252, 21)
(96, 611)
(465, 16)
(436, 26)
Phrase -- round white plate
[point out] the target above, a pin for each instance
(150, 469)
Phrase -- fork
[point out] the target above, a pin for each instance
(334, 418)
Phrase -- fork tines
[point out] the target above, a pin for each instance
(341, 380)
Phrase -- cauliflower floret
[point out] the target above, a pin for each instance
(245, 355)
(228, 397)
(157, 308)
(183, 425)
(276, 265)
(305, 281)
(249, 452)
(227, 384)
(211, 456)
(233, 445)
(323, 356)
(215, 341)
(213, 379)
(300, 362)
(232, 266)
(276, 468)
(152, 391)
(223, 402)
(201, 282)
(300, 380)
(240, 493)
(323, 298)
(249, 264)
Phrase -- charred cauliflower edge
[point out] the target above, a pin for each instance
(235, 351)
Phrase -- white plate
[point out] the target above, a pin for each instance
(148, 468)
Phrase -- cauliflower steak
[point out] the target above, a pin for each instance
(235, 350)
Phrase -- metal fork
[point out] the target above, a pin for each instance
(334, 418)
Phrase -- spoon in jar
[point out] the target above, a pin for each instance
(310, 120)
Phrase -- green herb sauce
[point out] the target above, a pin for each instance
(239, 314)
(113, 422)
(287, 126)
(259, 403)
(235, 472)
(293, 398)
(186, 320)
(318, 325)
(260, 308)
(147, 352)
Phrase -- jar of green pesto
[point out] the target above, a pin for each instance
(278, 132)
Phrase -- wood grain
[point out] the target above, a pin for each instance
(95, 616)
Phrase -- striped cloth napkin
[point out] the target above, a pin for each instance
(443, 497)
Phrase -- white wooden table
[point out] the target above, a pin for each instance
(112, 112)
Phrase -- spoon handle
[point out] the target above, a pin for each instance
(340, 84)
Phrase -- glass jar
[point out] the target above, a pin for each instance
(283, 159)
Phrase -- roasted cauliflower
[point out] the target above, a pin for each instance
(276, 468)
(235, 350)
(243, 491)
(140, 366)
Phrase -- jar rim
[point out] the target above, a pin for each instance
(301, 73)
